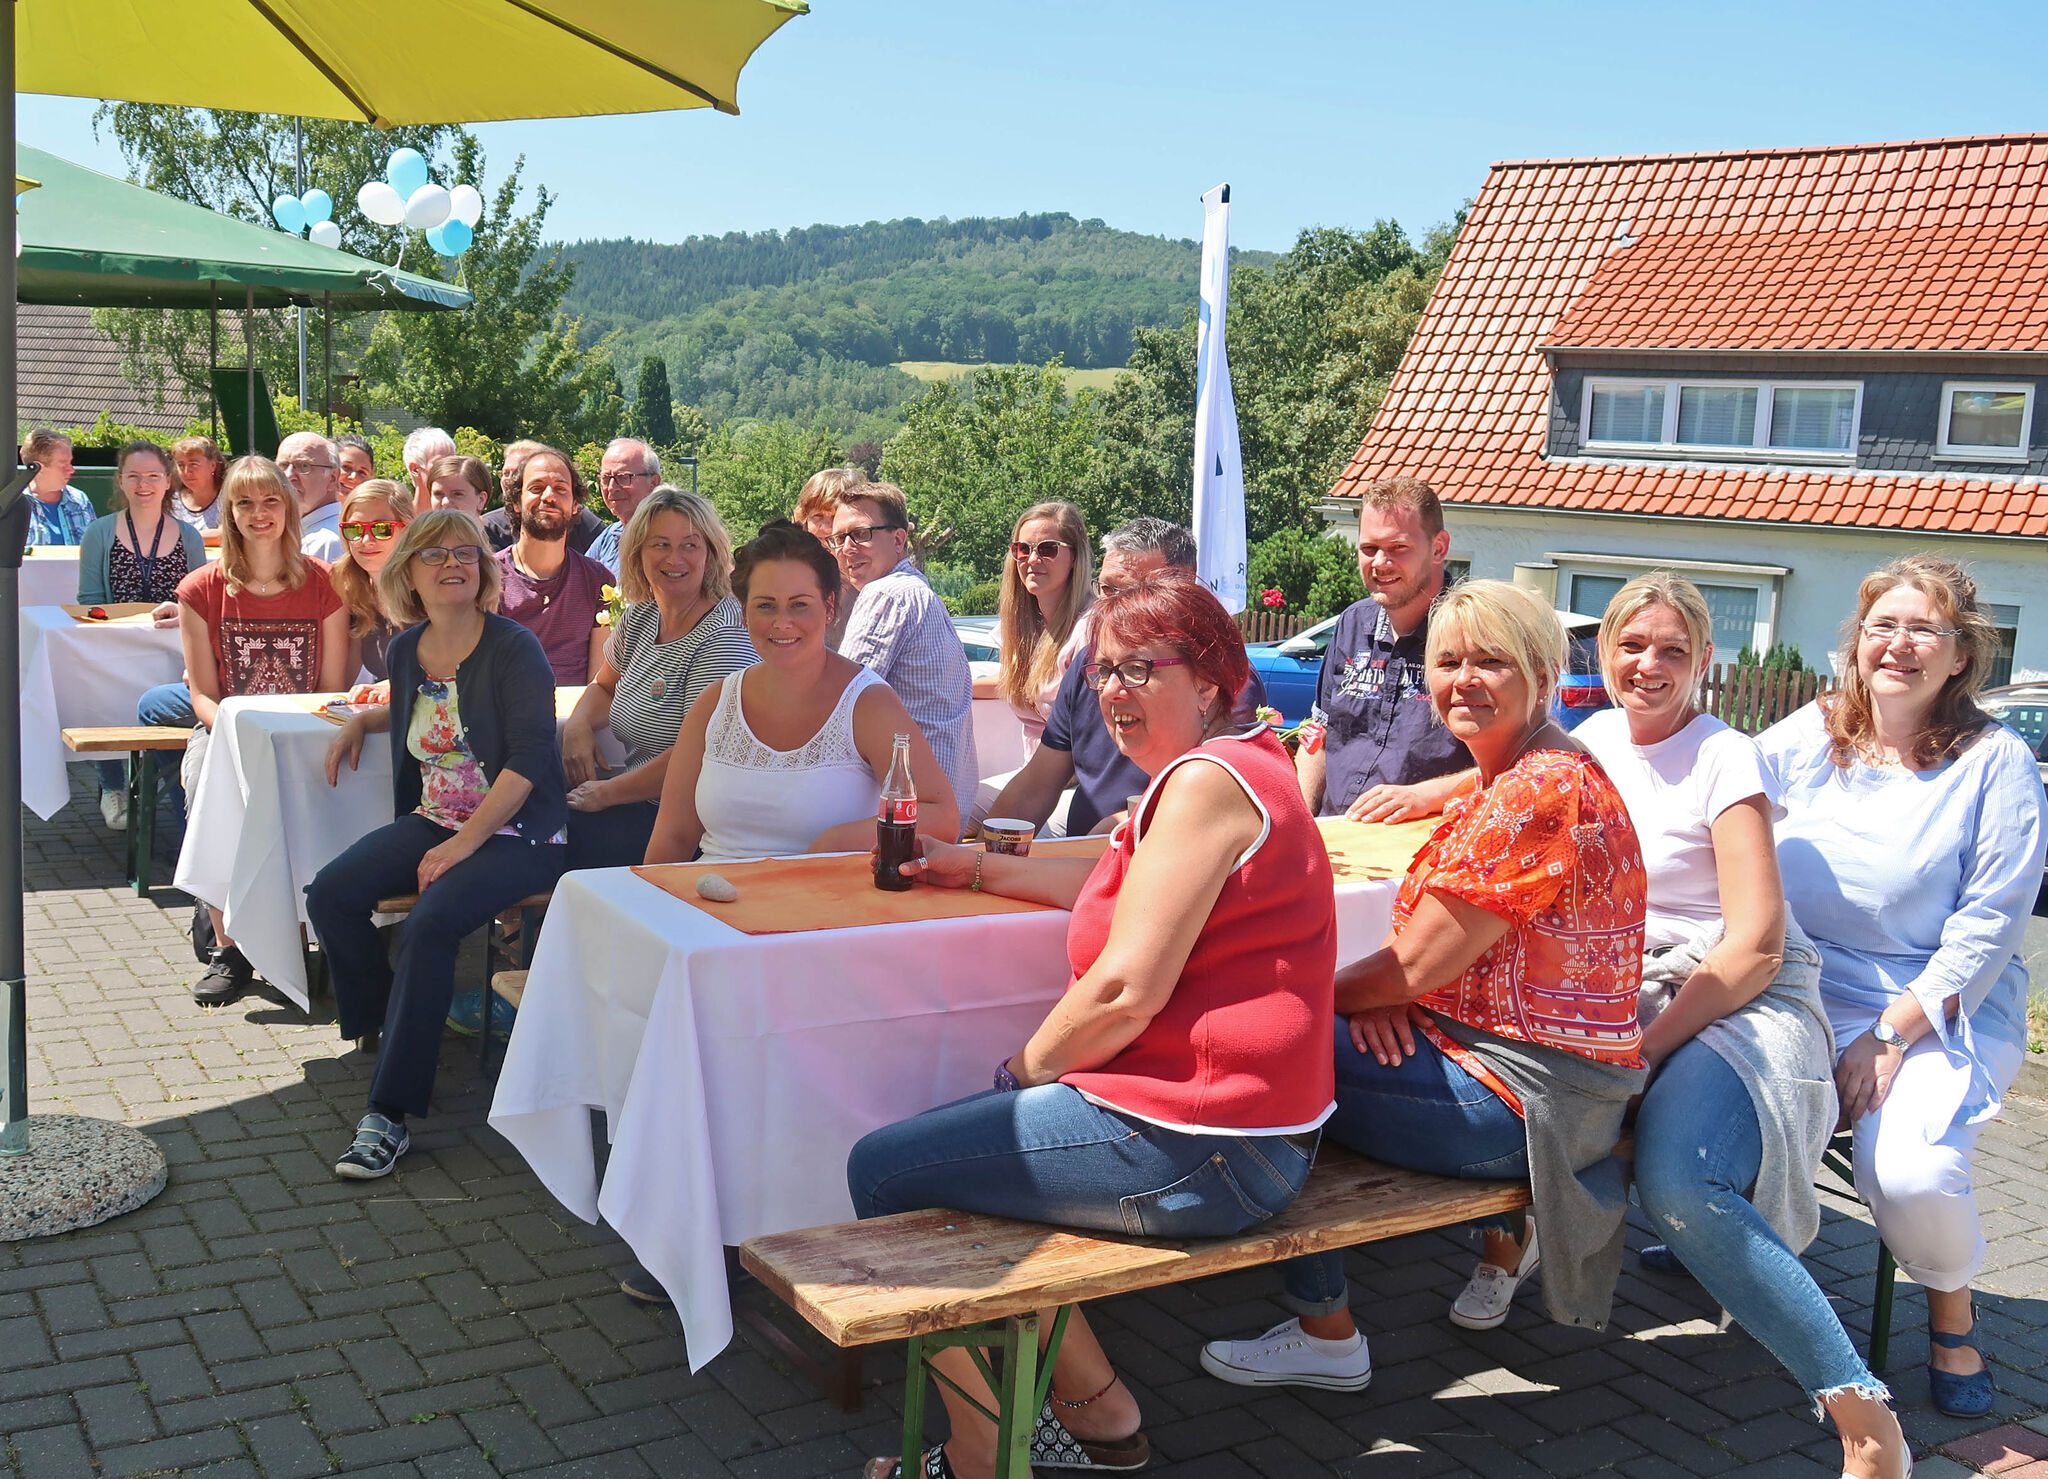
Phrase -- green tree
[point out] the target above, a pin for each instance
(1317, 574)
(690, 430)
(237, 163)
(751, 471)
(974, 454)
(508, 365)
(654, 415)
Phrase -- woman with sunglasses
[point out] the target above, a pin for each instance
(1046, 593)
(1911, 852)
(372, 519)
(476, 779)
(136, 553)
(1177, 1088)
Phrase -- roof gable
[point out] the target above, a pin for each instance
(1541, 261)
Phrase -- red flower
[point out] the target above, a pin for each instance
(1273, 598)
(1312, 736)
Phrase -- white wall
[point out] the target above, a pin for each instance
(1825, 565)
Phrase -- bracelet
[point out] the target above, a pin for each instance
(1006, 1081)
(976, 885)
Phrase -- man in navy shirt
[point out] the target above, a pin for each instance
(1383, 741)
(1076, 747)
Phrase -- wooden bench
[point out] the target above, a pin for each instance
(939, 1279)
(140, 743)
(530, 908)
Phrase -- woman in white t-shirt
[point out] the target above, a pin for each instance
(1741, 1101)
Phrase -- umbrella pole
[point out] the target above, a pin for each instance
(213, 357)
(13, 540)
(327, 379)
(249, 365)
(299, 183)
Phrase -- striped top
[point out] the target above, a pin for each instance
(658, 681)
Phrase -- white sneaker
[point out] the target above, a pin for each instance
(1484, 1304)
(1286, 1356)
(114, 808)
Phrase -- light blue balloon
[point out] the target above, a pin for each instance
(406, 169)
(319, 206)
(288, 213)
(452, 237)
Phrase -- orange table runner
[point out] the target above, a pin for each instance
(130, 612)
(1364, 850)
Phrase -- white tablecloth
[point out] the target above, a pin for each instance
(49, 576)
(76, 675)
(263, 821)
(736, 1072)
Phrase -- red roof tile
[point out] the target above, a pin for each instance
(1829, 248)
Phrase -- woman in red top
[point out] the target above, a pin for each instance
(263, 618)
(1495, 1034)
(1177, 1088)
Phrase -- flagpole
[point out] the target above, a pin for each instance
(1218, 469)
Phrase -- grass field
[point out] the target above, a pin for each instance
(929, 370)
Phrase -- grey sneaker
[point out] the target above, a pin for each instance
(378, 1145)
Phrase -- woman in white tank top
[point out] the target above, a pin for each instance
(787, 757)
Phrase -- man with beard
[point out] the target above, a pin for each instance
(550, 589)
(1383, 741)
(498, 522)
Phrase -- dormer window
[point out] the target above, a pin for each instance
(1985, 423)
(1746, 419)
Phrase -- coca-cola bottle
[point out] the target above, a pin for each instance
(896, 821)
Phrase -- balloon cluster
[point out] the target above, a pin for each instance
(407, 197)
(312, 213)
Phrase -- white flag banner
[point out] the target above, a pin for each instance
(1218, 468)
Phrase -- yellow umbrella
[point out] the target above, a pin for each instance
(398, 61)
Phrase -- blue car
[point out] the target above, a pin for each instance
(1290, 670)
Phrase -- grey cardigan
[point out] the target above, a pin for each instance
(95, 585)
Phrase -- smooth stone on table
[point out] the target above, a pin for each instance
(77, 1172)
(719, 890)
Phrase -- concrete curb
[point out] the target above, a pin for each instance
(2033, 1077)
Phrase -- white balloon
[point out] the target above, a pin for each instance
(465, 205)
(428, 206)
(324, 233)
(380, 203)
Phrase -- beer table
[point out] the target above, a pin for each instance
(262, 820)
(49, 577)
(81, 675)
(736, 1071)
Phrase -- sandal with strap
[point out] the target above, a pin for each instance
(1053, 1447)
(933, 1465)
(1960, 1396)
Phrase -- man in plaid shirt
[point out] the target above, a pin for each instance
(57, 512)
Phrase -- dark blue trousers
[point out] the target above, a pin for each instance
(616, 837)
(408, 1001)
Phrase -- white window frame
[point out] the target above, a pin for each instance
(1768, 581)
(1947, 451)
(1759, 449)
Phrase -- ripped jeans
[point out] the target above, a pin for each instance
(1698, 1151)
(1046, 1154)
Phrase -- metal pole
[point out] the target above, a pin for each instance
(213, 356)
(13, 538)
(249, 364)
(299, 183)
(327, 332)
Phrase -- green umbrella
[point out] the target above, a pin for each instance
(92, 239)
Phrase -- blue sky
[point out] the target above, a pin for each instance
(1336, 113)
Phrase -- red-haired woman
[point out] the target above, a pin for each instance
(1178, 1087)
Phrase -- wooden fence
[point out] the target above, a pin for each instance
(1753, 699)
(1260, 625)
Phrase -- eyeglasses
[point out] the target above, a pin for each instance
(440, 554)
(378, 529)
(606, 479)
(1919, 633)
(1132, 672)
(1045, 549)
(301, 465)
(864, 535)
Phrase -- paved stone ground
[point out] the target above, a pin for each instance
(263, 1318)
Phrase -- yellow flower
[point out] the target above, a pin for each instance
(609, 592)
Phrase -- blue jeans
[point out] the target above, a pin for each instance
(1425, 1114)
(1698, 1151)
(408, 1002)
(616, 837)
(168, 705)
(1046, 1154)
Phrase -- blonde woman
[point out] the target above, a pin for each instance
(476, 782)
(816, 502)
(1741, 1100)
(681, 632)
(1046, 590)
(289, 635)
(1911, 852)
(373, 517)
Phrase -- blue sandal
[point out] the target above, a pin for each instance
(1960, 1396)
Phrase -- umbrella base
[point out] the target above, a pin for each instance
(77, 1172)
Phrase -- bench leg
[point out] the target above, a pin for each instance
(142, 816)
(1020, 1387)
(1881, 1309)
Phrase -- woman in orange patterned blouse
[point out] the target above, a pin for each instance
(1495, 1034)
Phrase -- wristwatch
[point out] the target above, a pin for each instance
(1887, 1034)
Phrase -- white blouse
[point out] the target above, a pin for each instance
(758, 802)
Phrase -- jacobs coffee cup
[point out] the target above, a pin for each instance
(1007, 835)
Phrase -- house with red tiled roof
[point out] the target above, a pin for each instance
(1772, 370)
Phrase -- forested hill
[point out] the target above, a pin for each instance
(805, 322)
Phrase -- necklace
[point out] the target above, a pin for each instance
(148, 561)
